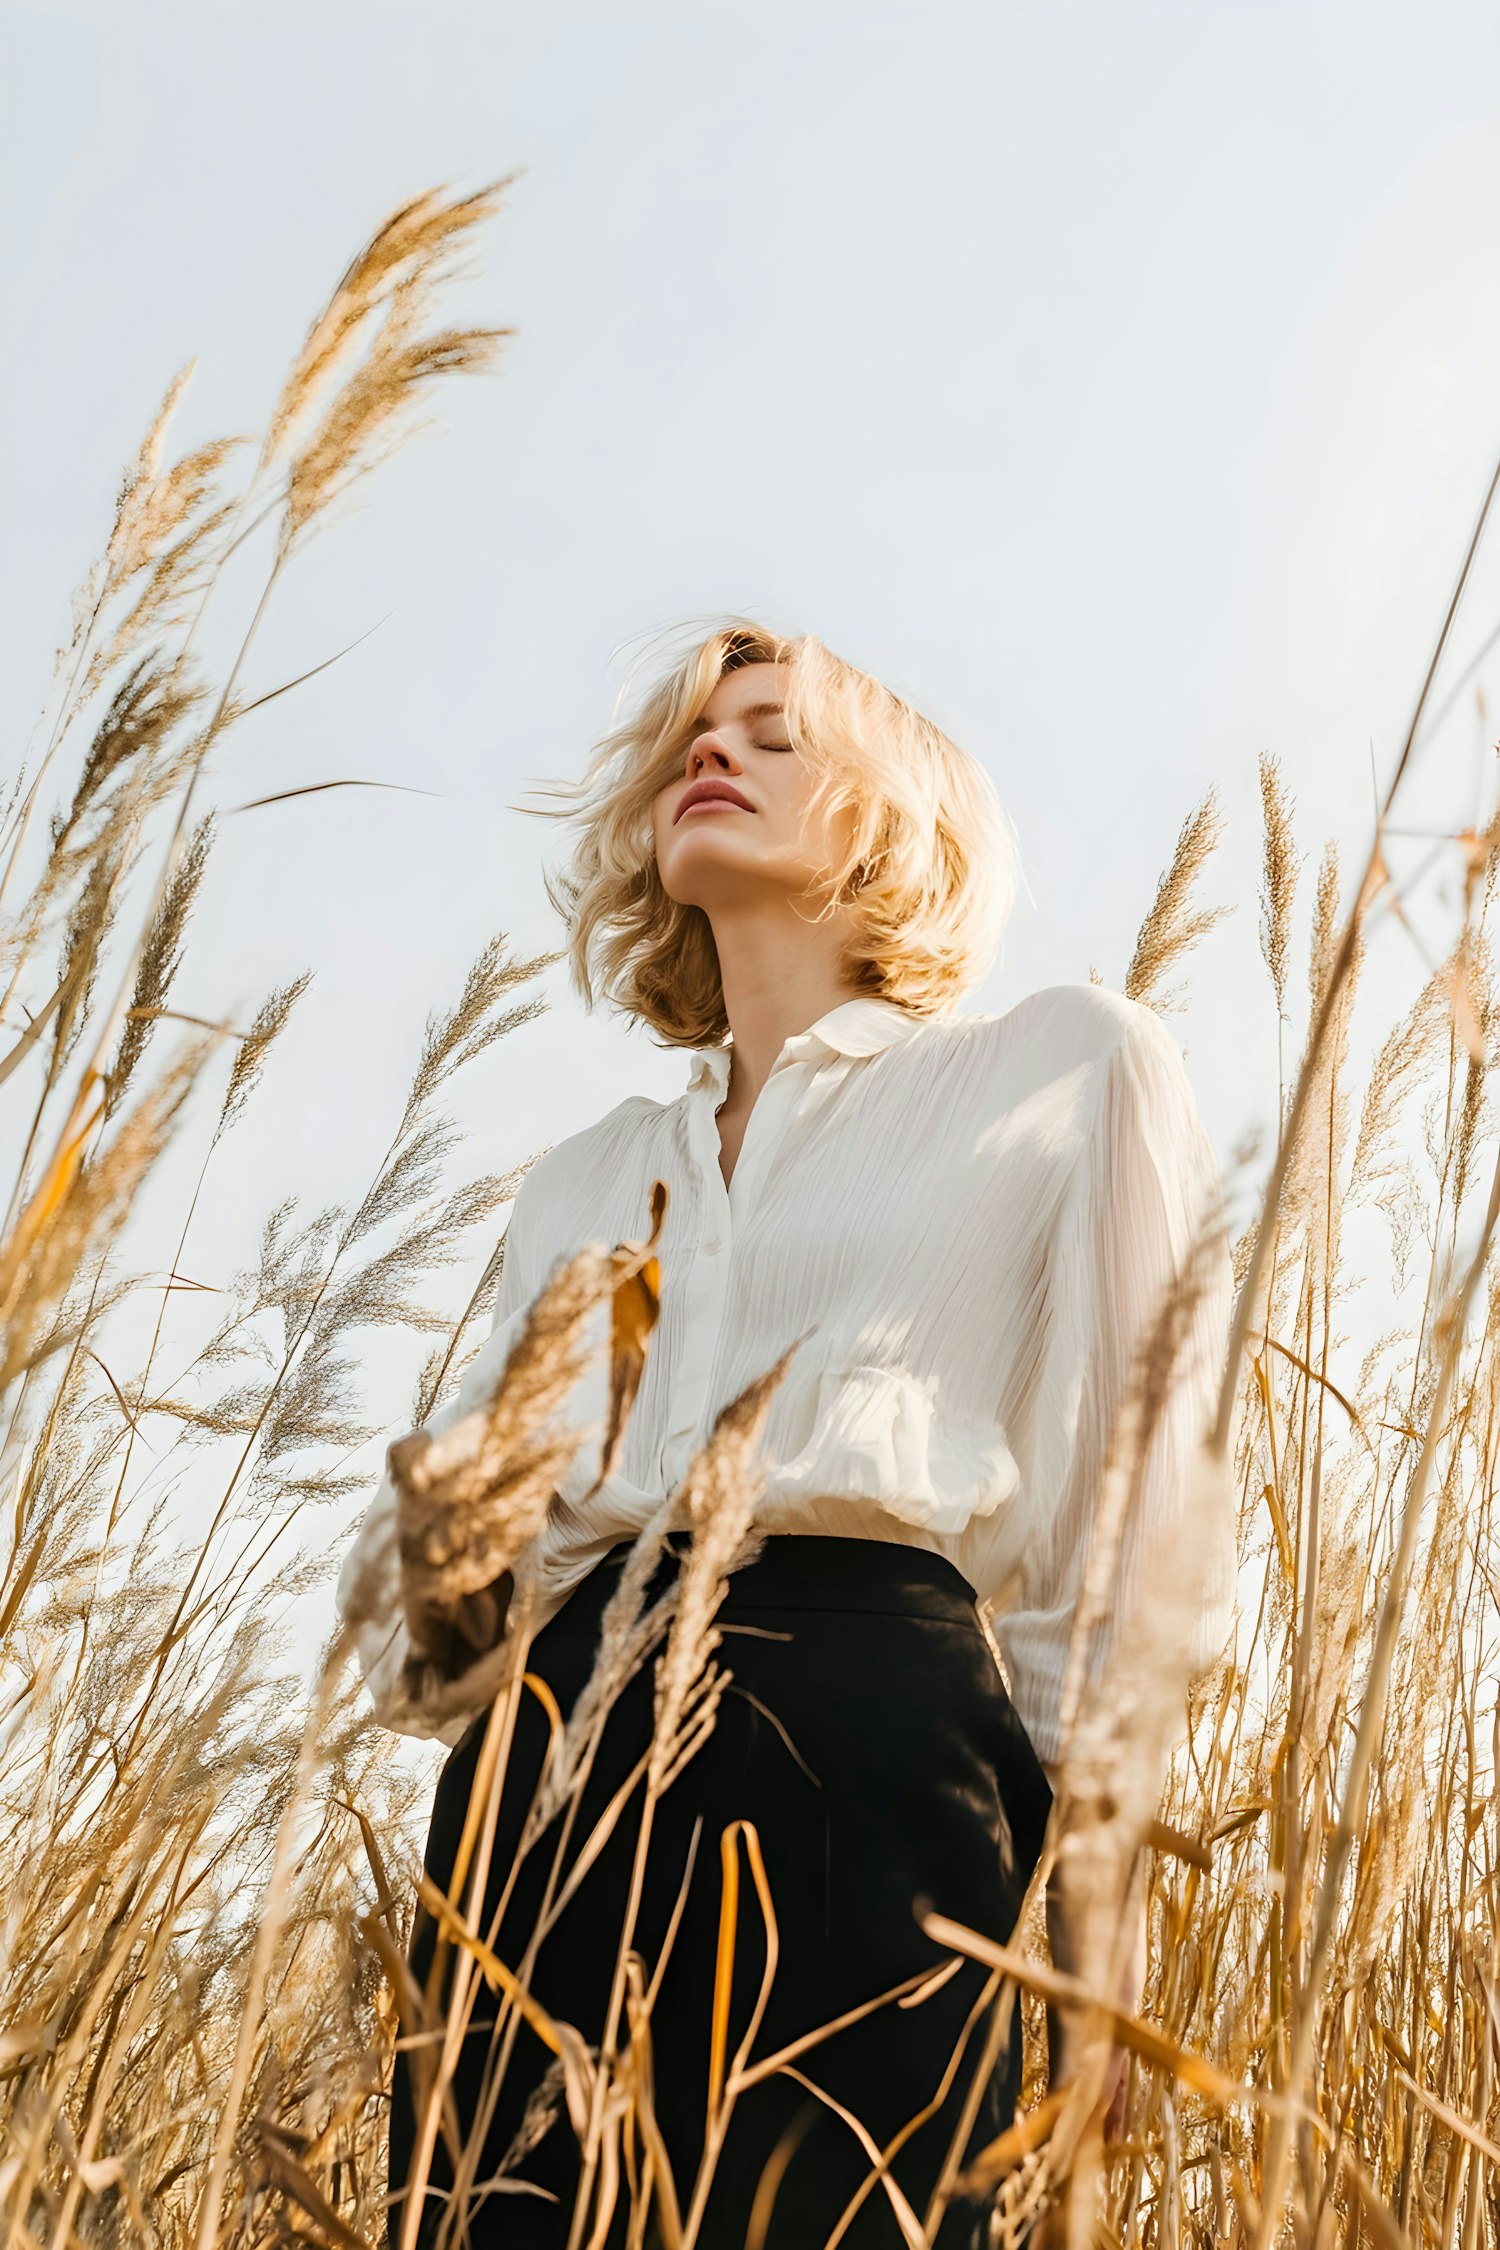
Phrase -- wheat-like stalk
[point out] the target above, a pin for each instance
(1174, 925)
(1278, 890)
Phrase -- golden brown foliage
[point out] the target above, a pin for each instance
(208, 1864)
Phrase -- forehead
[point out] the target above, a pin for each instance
(737, 690)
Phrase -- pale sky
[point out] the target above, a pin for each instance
(1118, 382)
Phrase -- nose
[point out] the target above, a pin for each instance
(710, 753)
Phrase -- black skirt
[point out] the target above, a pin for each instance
(867, 1734)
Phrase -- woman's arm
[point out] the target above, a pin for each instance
(1128, 1574)
(1128, 1566)
(1065, 1943)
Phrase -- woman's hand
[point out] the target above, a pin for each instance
(1063, 2035)
(1128, 1992)
(1111, 2101)
(455, 1599)
(448, 1637)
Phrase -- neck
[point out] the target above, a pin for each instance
(780, 973)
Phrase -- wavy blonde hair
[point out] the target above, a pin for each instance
(928, 875)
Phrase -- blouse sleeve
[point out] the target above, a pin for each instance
(369, 1583)
(1140, 1228)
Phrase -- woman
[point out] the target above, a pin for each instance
(967, 1225)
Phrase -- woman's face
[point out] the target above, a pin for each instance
(736, 820)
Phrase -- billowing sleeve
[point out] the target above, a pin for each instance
(369, 1584)
(1130, 1528)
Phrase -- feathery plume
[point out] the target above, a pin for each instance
(421, 237)
(1278, 888)
(717, 1498)
(1173, 927)
(363, 424)
(161, 956)
(271, 1019)
(472, 1026)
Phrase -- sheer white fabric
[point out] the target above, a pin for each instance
(972, 1222)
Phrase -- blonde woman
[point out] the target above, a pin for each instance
(971, 1223)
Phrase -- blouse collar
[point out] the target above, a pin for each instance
(861, 1027)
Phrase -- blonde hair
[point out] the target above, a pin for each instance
(928, 876)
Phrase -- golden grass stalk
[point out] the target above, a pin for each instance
(718, 1500)
(1174, 926)
(470, 1503)
(418, 241)
(1278, 891)
(147, 1739)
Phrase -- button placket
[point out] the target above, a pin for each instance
(764, 1129)
(705, 1284)
(726, 1211)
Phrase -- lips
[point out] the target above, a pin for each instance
(711, 793)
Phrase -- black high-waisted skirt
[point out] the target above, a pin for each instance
(867, 1734)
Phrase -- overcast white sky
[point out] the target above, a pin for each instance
(1119, 382)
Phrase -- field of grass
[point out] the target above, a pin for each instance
(208, 1865)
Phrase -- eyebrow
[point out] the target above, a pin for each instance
(751, 711)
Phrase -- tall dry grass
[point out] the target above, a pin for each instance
(194, 2015)
(208, 1865)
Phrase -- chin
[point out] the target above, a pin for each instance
(707, 864)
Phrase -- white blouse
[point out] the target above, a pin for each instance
(974, 1218)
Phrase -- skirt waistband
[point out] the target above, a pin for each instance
(816, 1571)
